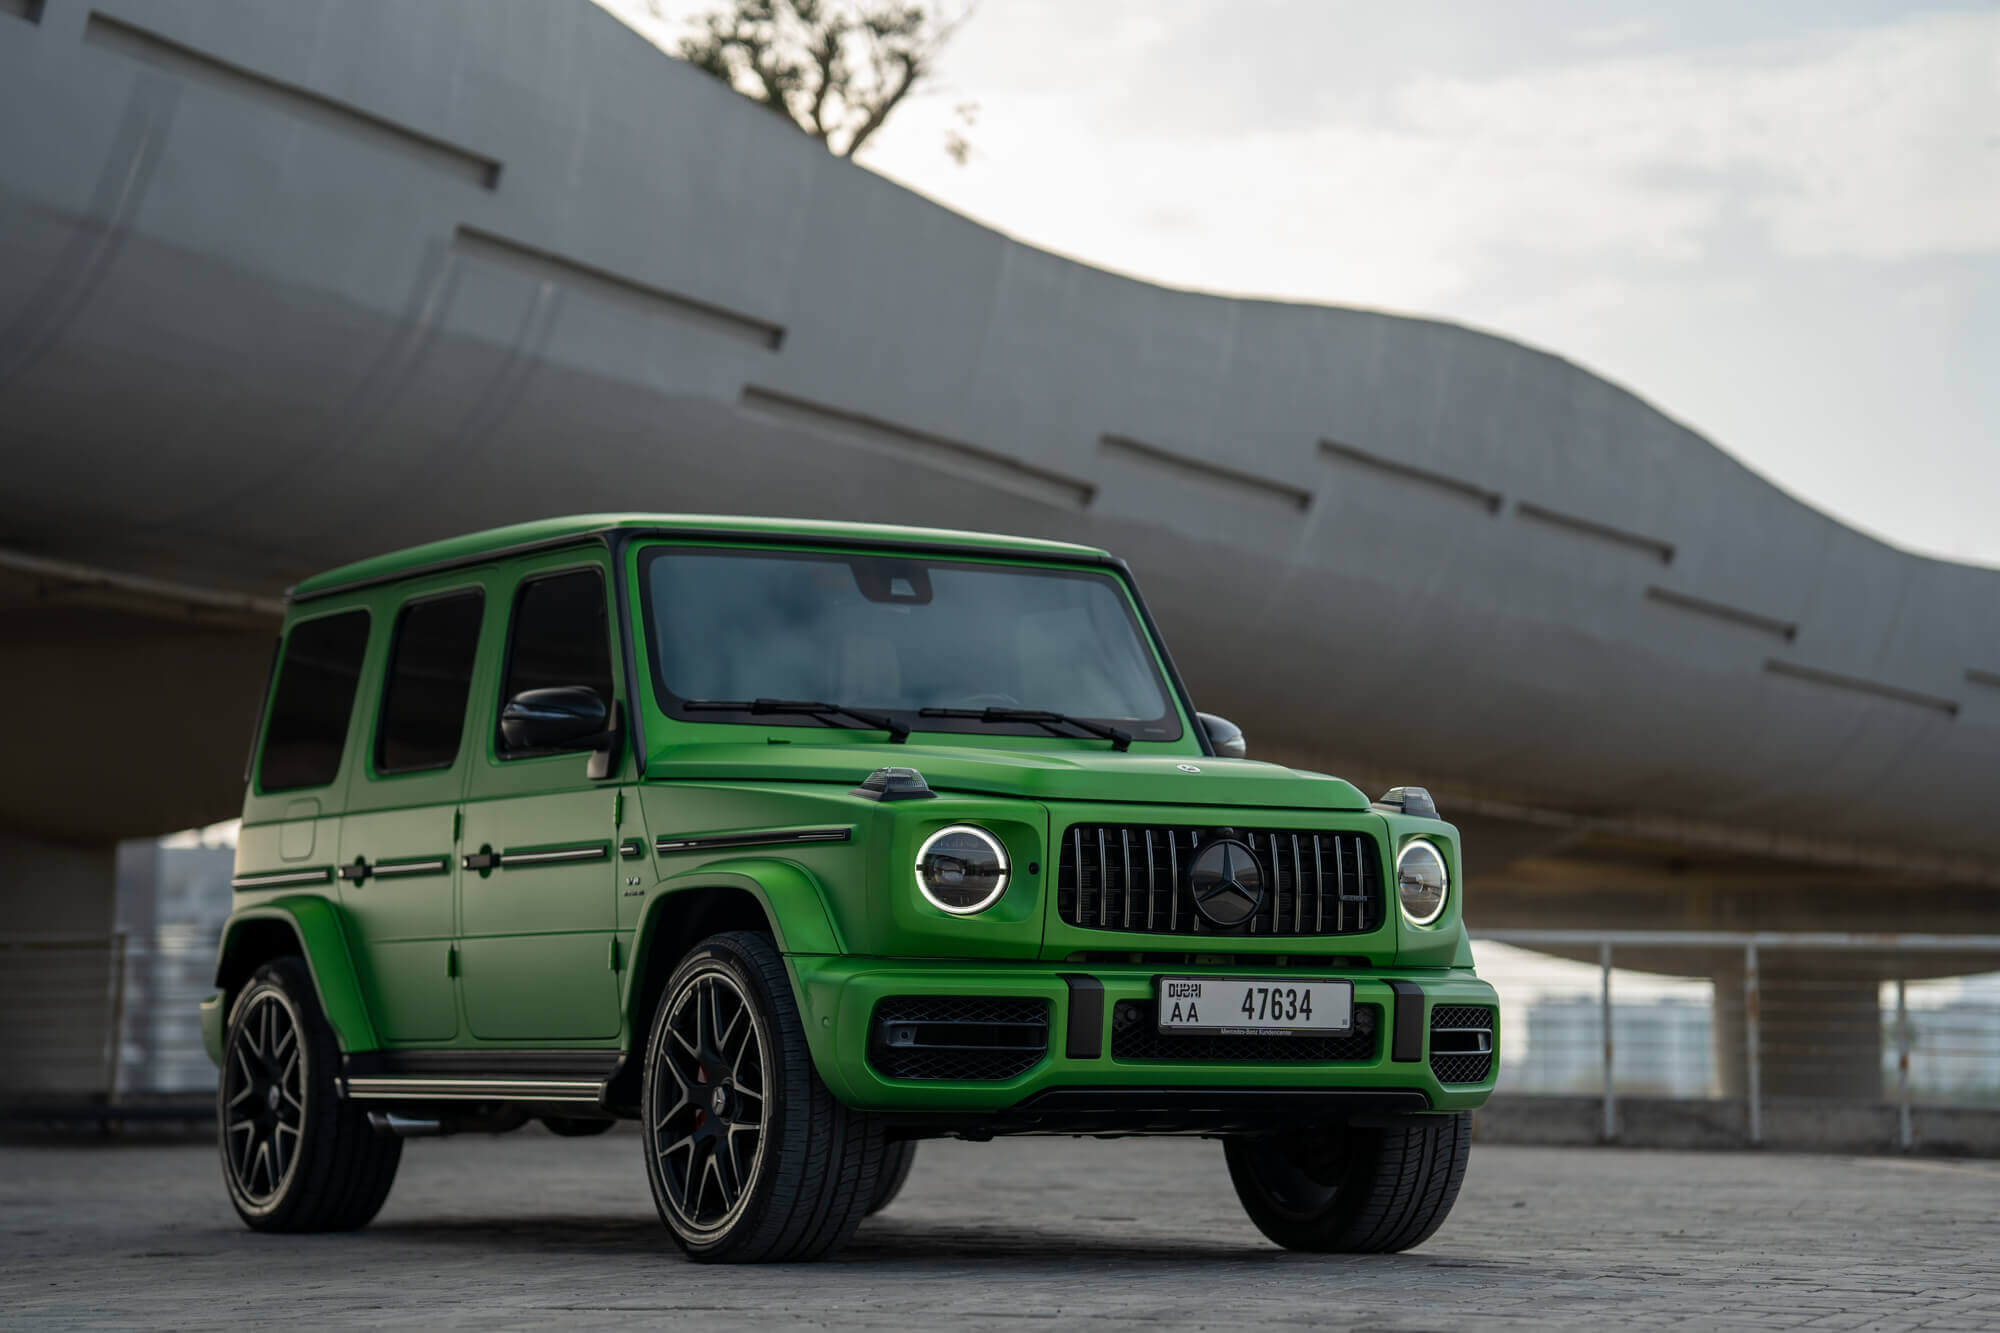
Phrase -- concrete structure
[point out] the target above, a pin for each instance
(285, 285)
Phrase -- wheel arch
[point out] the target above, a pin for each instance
(778, 898)
(311, 928)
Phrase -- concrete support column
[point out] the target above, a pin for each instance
(1819, 1028)
(59, 969)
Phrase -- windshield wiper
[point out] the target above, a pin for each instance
(813, 708)
(1120, 739)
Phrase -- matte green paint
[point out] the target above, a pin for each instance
(322, 939)
(555, 954)
(213, 1020)
(839, 994)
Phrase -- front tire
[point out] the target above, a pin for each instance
(750, 1157)
(294, 1155)
(1354, 1189)
(896, 1160)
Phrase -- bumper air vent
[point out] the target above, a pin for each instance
(958, 1038)
(1461, 1043)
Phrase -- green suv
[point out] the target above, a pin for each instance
(799, 843)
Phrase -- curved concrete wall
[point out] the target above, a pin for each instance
(285, 285)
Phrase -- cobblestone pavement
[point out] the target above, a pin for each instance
(531, 1231)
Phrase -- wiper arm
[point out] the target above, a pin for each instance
(812, 708)
(1119, 738)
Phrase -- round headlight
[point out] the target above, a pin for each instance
(1420, 881)
(962, 869)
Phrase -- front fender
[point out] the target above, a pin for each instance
(322, 938)
(790, 895)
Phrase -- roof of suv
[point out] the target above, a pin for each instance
(476, 546)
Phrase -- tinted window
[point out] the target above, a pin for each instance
(309, 713)
(898, 635)
(560, 636)
(430, 677)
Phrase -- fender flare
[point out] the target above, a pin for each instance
(322, 938)
(792, 897)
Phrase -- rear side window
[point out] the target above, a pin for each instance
(560, 636)
(430, 679)
(315, 696)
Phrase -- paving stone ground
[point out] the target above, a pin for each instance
(530, 1231)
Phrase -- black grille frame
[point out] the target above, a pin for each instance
(1136, 1039)
(1455, 1043)
(958, 1038)
(1131, 877)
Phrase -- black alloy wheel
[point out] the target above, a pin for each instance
(295, 1156)
(264, 1097)
(750, 1157)
(712, 1133)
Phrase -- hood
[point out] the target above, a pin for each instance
(1036, 775)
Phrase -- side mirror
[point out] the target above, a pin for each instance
(560, 717)
(1224, 736)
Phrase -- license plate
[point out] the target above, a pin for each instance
(1254, 1006)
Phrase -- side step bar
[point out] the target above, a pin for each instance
(432, 1088)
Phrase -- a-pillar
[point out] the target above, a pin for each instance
(1819, 1030)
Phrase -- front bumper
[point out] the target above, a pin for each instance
(838, 996)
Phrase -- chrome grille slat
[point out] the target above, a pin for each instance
(1348, 872)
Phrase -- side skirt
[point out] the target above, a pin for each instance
(540, 1078)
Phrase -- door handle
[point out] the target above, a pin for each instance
(483, 859)
(356, 873)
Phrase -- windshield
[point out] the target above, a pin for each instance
(895, 635)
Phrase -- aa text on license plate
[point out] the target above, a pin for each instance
(1235, 1005)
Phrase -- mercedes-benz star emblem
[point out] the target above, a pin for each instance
(1188, 768)
(1226, 881)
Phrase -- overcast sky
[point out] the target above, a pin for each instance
(1779, 222)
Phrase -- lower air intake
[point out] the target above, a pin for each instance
(1461, 1043)
(958, 1038)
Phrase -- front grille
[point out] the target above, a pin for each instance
(1461, 1043)
(1133, 877)
(1135, 1035)
(958, 1038)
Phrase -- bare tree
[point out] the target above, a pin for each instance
(834, 68)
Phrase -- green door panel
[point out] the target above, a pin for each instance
(323, 939)
(540, 923)
(536, 926)
(546, 987)
(401, 917)
(402, 914)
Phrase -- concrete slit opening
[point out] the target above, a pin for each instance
(137, 43)
(1734, 615)
(1204, 473)
(1834, 680)
(547, 266)
(971, 461)
(1663, 551)
(1990, 679)
(31, 10)
(1454, 487)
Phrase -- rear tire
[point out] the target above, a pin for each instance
(1353, 1190)
(896, 1159)
(294, 1155)
(750, 1157)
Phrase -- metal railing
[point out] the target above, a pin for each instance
(1839, 971)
